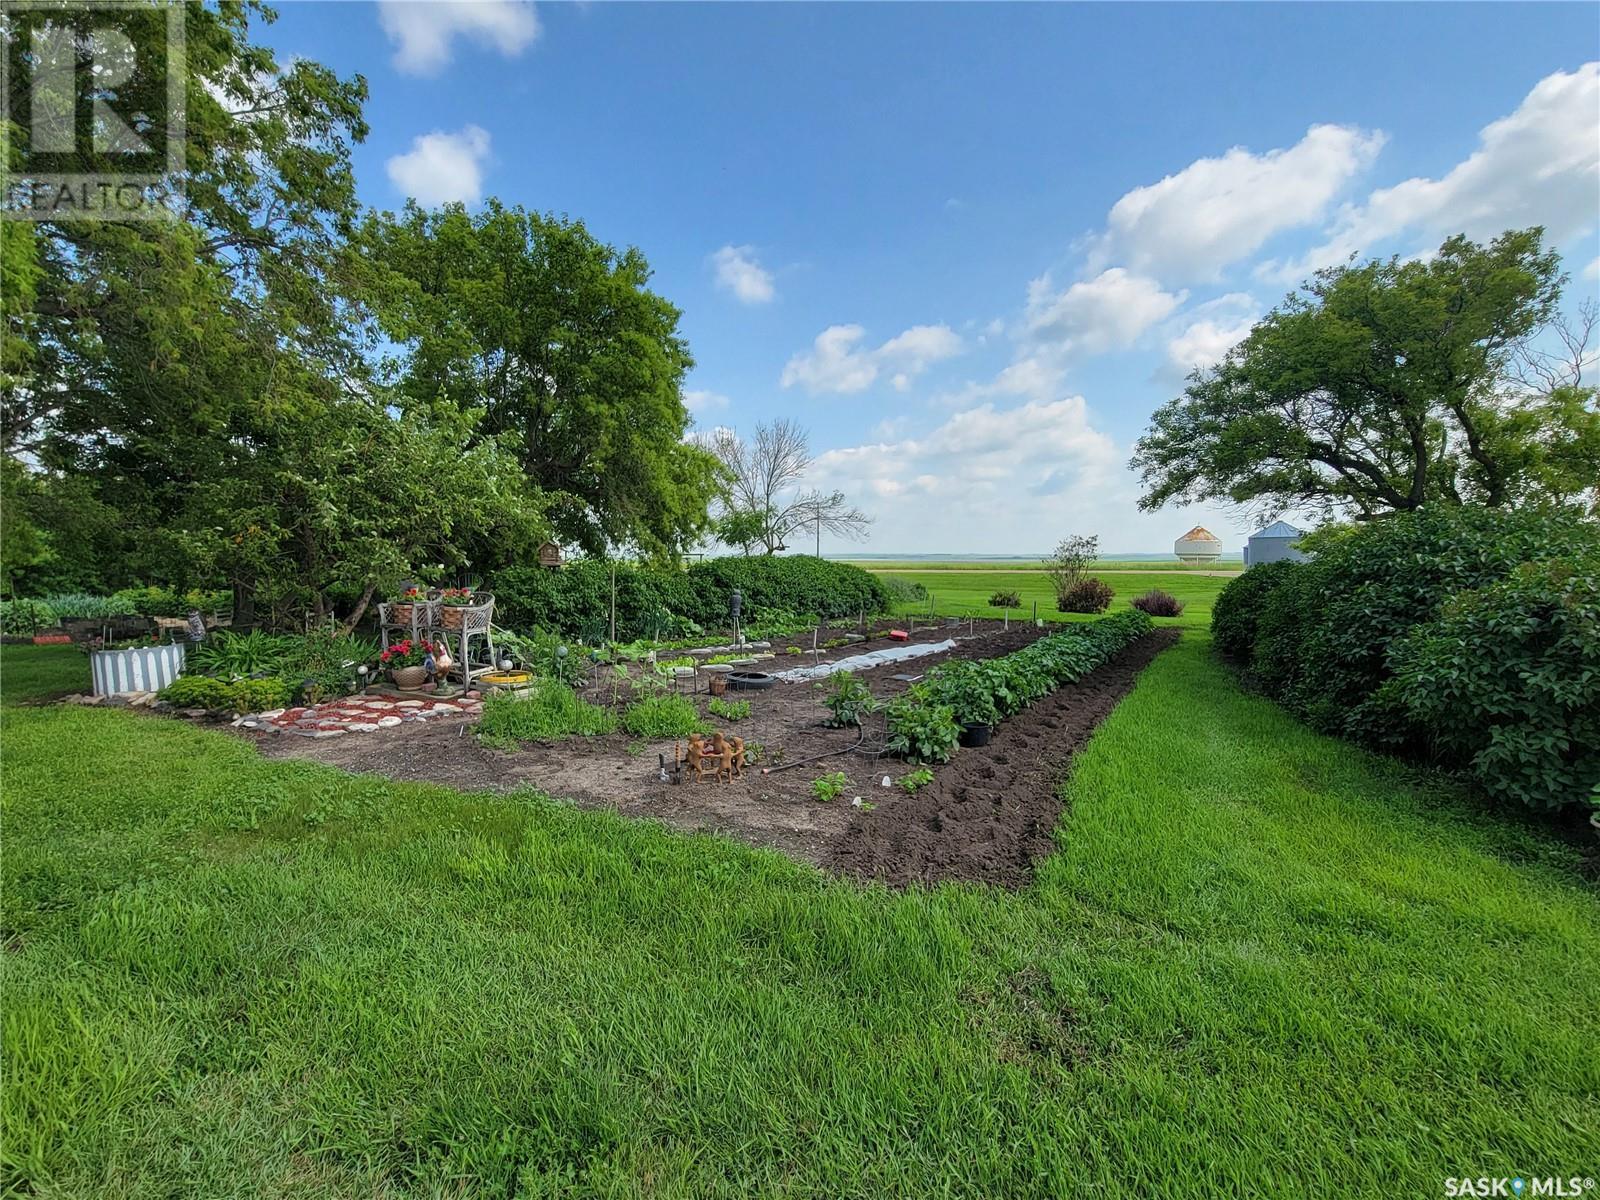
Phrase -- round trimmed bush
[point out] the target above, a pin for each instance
(1085, 596)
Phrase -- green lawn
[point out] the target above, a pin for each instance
(966, 593)
(1262, 963)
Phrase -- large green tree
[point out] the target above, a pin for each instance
(557, 338)
(203, 377)
(1388, 386)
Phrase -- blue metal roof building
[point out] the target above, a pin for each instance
(1275, 543)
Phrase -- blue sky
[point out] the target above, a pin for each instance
(972, 247)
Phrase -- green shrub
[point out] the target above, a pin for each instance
(971, 689)
(1005, 600)
(258, 695)
(847, 699)
(728, 710)
(662, 716)
(198, 691)
(1506, 681)
(828, 787)
(156, 601)
(24, 618)
(544, 712)
(1324, 636)
(903, 592)
(1238, 607)
(1085, 596)
(666, 602)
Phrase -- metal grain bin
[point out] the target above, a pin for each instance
(1275, 543)
(138, 669)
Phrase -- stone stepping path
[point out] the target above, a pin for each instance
(359, 714)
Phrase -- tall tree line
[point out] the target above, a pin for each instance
(201, 398)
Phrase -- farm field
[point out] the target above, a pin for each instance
(966, 593)
(1260, 962)
(1141, 565)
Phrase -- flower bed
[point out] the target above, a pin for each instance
(926, 720)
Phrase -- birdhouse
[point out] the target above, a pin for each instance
(550, 555)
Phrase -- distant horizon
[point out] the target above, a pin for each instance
(945, 556)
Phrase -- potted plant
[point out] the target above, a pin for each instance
(404, 661)
(452, 602)
(402, 607)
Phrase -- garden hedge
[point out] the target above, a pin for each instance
(1327, 638)
(575, 600)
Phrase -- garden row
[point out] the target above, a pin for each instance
(24, 618)
(1466, 637)
(927, 720)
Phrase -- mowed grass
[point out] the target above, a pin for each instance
(967, 593)
(1262, 963)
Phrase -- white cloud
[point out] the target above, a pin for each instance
(1108, 312)
(1218, 210)
(442, 167)
(1210, 330)
(699, 401)
(424, 31)
(1007, 472)
(739, 272)
(839, 362)
(1592, 271)
(1538, 166)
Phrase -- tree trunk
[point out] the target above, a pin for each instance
(359, 611)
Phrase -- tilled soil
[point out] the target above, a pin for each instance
(990, 813)
(771, 805)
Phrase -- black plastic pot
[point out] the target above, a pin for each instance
(975, 734)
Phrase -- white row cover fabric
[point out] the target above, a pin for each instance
(865, 662)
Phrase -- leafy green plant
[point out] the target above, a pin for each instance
(793, 650)
(1084, 596)
(828, 788)
(230, 655)
(24, 618)
(1237, 609)
(847, 699)
(197, 691)
(258, 695)
(728, 710)
(662, 716)
(1005, 600)
(914, 781)
(70, 606)
(920, 731)
(968, 688)
(545, 712)
(1507, 682)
